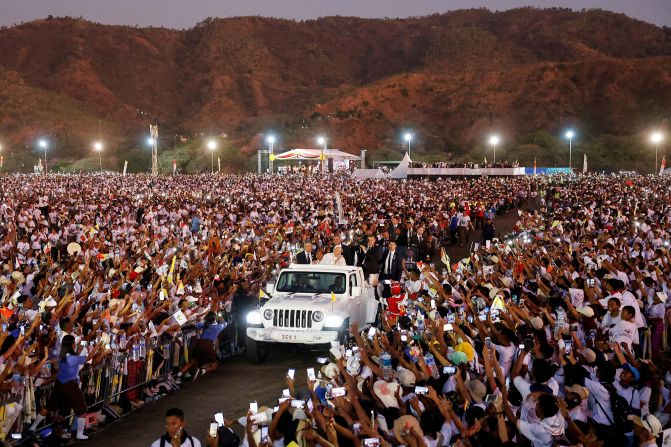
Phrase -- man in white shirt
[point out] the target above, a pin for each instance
(335, 258)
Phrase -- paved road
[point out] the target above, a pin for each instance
(229, 389)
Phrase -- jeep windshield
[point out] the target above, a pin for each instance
(311, 282)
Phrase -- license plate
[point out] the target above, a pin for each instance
(289, 337)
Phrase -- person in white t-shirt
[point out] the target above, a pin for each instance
(612, 317)
(626, 331)
(176, 434)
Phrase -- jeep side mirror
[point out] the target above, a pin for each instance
(356, 291)
(270, 288)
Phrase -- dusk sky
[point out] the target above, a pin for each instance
(186, 13)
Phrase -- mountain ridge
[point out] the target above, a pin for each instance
(450, 77)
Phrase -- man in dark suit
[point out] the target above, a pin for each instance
(306, 256)
(370, 259)
(392, 266)
(347, 251)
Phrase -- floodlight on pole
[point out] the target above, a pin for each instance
(98, 146)
(150, 141)
(43, 144)
(494, 141)
(270, 139)
(408, 138)
(656, 138)
(212, 146)
(569, 136)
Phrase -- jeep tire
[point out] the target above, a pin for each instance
(257, 352)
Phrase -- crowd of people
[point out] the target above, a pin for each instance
(464, 165)
(554, 334)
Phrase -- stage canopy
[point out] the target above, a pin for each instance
(315, 154)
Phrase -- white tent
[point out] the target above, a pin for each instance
(315, 154)
(401, 171)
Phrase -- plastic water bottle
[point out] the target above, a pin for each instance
(420, 323)
(122, 341)
(385, 361)
(431, 363)
(143, 349)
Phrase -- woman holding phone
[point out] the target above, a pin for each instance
(67, 388)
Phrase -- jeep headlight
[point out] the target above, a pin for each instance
(317, 316)
(268, 314)
(333, 321)
(254, 318)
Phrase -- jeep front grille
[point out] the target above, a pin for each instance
(298, 319)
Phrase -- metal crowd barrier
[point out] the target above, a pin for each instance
(118, 380)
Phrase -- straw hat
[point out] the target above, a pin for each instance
(404, 425)
(74, 248)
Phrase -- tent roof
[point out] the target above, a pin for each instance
(314, 154)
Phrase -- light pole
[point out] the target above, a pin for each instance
(322, 142)
(569, 135)
(270, 139)
(656, 138)
(408, 138)
(494, 141)
(212, 146)
(98, 146)
(43, 144)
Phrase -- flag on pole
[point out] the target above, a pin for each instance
(534, 165)
(663, 167)
(125, 166)
(174, 166)
(262, 294)
(218, 164)
(172, 269)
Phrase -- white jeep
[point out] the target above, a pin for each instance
(302, 308)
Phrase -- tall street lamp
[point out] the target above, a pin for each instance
(212, 146)
(494, 141)
(408, 138)
(656, 138)
(270, 139)
(43, 144)
(569, 135)
(98, 146)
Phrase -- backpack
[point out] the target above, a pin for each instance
(620, 408)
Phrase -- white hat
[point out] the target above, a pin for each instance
(353, 366)
(74, 248)
(330, 370)
(537, 323)
(662, 296)
(18, 277)
(649, 422)
(587, 311)
(386, 392)
(406, 377)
